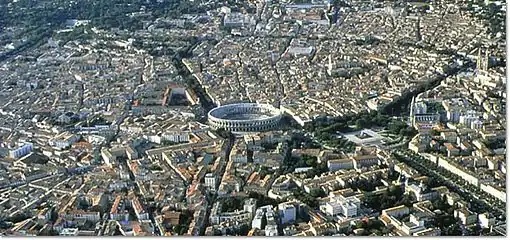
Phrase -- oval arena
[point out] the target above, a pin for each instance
(245, 117)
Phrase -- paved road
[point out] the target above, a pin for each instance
(471, 197)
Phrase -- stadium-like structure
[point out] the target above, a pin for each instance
(245, 117)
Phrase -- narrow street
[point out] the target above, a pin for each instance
(193, 84)
(211, 199)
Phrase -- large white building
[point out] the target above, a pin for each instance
(245, 215)
(64, 140)
(425, 121)
(466, 217)
(250, 205)
(69, 232)
(176, 136)
(477, 124)
(333, 208)
(486, 221)
(420, 108)
(210, 181)
(171, 136)
(414, 225)
(468, 118)
(420, 193)
(271, 230)
(496, 192)
(346, 206)
(258, 220)
(235, 19)
(287, 212)
(396, 211)
(21, 151)
(80, 214)
(454, 108)
(337, 164)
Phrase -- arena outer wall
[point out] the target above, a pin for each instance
(267, 117)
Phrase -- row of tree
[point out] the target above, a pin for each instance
(426, 167)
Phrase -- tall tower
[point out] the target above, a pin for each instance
(330, 65)
(482, 64)
(411, 111)
(486, 60)
(412, 105)
(479, 59)
(277, 103)
(417, 29)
